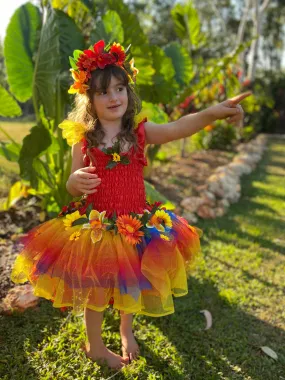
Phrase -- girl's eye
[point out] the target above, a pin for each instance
(120, 88)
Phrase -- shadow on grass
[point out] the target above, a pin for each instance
(21, 331)
(230, 349)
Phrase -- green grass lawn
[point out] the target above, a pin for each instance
(240, 281)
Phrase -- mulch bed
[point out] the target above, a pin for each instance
(184, 177)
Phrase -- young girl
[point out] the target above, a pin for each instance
(112, 247)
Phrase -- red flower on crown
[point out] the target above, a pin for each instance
(117, 51)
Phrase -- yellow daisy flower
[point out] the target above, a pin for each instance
(75, 235)
(160, 220)
(116, 157)
(164, 237)
(70, 218)
(71, 131)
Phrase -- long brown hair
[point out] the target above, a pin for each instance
(84, 111)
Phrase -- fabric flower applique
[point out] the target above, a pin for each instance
(160, 220)
(70, 218)
(98, 223)
(129, 226)
(75, 235)
(114, 151)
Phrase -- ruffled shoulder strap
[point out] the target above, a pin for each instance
(72, 131)
(140, 131)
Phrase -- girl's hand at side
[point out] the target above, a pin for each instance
(229, 109)
(84, 180)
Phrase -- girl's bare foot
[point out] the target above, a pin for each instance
(101, 354)
(130, 348)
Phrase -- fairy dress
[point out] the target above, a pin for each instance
(127, 253)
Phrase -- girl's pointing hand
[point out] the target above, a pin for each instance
(230, 108)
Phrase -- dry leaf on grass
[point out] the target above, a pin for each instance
(208, 317)
(269, 352)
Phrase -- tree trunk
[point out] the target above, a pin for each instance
(257, 22)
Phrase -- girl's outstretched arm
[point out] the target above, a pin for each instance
(193, 123)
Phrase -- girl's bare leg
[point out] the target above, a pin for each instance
(95, 348)
(130, 347)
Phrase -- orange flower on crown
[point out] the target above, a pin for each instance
(79, 84)
(129, 227)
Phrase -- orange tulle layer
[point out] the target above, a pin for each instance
(140, 278)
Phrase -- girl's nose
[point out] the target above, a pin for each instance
(113, 96)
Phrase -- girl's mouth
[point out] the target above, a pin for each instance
(116, 106)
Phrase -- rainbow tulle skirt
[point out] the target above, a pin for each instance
(79, 267)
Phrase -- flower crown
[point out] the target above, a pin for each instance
(98, 57)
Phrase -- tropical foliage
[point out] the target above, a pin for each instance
(40, 71)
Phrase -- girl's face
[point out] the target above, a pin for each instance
(111, 104)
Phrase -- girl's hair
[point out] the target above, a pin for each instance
(84, 111)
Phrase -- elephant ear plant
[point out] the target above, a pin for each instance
(40, 71)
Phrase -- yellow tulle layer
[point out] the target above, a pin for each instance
(79, 273)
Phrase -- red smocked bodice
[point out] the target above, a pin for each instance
(122, 188)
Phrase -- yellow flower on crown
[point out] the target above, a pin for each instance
(72, 131)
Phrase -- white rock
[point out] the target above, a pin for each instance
(239, 168)
(191, 204)
(190, 217)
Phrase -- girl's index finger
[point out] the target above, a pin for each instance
(238, 98)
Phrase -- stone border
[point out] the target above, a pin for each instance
(223, 187)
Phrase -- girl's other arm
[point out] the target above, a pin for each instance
(82, 180)
(192, 123)
(77, 163)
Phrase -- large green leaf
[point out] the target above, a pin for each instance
(70, 38)
(10, 151)
(154, 112)
(181, 61)
(153, 195)
(20, 45)
(134, 35)
(59, 37)
(109, 29)
(8, 106)
(164, 83)
(187, 24)
(33, 145)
